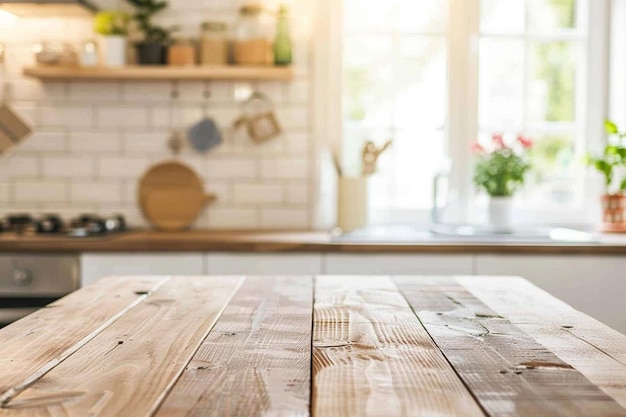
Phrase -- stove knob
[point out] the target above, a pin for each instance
(22, 277)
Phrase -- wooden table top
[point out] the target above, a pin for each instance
(299, 346)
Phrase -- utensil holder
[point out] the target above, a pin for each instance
(352, 210)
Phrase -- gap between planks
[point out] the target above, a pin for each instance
(77, 319)
(373, 357)
(506, 369)
(130, 366)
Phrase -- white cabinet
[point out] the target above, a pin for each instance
(264, 264)
(595, 285)
(95, 265)
(378, 264)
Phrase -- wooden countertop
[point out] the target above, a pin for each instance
(300, 346)
(276, 242)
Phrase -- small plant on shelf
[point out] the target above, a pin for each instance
(612, 165)
(152, 50)
(112, 26)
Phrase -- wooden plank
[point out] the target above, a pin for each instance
(595, 350)
(129, 367)
(508, 372)
(256, 361)
(32, 346)
(156, 73)
(372, 357)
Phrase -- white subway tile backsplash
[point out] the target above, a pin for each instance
(122, 117)
(130, 168)
(258, 193)
(296, 117)
(19, 166)
(284, 218)
(5, 192)
(96, 192)
(42, 141)
(147, 92)
(29, 191)
(84, 142)
(75, 116)
(231, 218)
(68, 167)
(94, 92)
(231, 168)
(296, 143)
(92, 141)
(284, 168)
(298, 193)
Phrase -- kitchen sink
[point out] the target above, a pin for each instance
(465, 233)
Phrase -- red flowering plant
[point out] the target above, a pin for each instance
(502, 166)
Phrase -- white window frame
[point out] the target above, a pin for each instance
(463, 103)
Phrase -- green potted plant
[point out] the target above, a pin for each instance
(612, 165)
(500, 171)
(152, 50)
(112, 26)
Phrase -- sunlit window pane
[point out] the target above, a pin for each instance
(395, 87)
(546, 15)
(420, 73)
(368, 16)
(552, 84)
(409, 169)
(502, 16)
(501, 83)
(422, 16)
(368, 75)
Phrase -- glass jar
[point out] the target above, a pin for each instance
(214, 43)
(181, 53)
(252, 43)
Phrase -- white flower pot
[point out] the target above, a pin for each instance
(500, 213)
(113, 51)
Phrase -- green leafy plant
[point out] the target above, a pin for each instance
(501, 168)
(111, 23)
(145, 11)
(612, 163)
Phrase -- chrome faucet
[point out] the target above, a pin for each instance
(440, 177)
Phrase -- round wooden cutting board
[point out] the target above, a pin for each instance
(171, 196)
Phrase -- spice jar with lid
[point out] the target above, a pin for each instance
(181, 53)
(214, 43)
(252, 43)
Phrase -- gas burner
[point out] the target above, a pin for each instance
(93, 225)
(85, 225)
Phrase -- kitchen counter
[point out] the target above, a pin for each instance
(288, 242)
(361, 346)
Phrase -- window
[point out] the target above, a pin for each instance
(434, 75)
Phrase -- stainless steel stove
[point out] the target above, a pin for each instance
(31, 281)
(86, 225)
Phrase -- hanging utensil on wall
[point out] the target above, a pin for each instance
(259, 118)
(13, 128)
(205, 135)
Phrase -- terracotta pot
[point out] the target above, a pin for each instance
(614, 213)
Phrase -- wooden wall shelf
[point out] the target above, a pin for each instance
(161, 73)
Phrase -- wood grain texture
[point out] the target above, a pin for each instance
(130, 366)
(508, 372)
(277, 242)
(40, 341)
(258, 354)
(372, 357)
(595, 350)
(155, 73)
